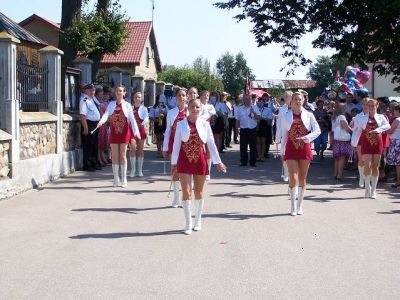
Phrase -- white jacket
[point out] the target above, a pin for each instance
(383, 125)
(128, 113)
(207, 111)
(309, 122)
(171, 116)
(282, 111)
(143, 114)
(182, 134)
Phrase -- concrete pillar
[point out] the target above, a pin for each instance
(126, 81)
(150, 92)
(137, 84)
(9, 105)
(51, 56)
(160, 88)
(85, 65)
(169, 86)
(115, 76)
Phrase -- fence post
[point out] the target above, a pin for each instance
(160, 87)
(138, 84)
(85, 65)
(51, 56)
(126, 81)
(9, 105)
(115, 75)
(150, 92)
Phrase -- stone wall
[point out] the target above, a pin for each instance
(37, 139)
(4, 159)
(71, 135)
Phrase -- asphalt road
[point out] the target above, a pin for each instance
(81, 238)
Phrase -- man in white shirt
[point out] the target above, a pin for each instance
(89, 114)
(246, 119)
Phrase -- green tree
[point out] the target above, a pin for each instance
(233, 71)
(199, 74)
(98, 32)
(324, 70)
(365, 31)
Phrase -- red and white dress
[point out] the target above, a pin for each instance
(297, 149)
(122, 123)
(141, 117)
(174, 116)
(189, 147)
(294, 126)
(371, 142)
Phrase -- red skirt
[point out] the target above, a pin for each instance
(304, 153)
(297, 149)
(192, 156)
(142, 131)
(120, 131)
(371, 143)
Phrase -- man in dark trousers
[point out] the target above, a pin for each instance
(89, 114)
(246, 119)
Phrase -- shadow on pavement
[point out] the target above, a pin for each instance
(127, 210)
(120, 235)
(240, 217)
(246, 196)
(389, 212)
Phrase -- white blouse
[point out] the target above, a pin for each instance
(143, 114)
(383, 125)
(182, 134)
(171, 116)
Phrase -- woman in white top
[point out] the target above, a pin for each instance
(370, 137)
(341, 148)
(189, 160)
(174, 116)
(287, 96)
(356, 124)
(141, 116)
(393, 156)
(298, 128)
(122, 126)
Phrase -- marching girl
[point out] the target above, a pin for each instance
(189, 159)
(298, 129)
(158, 113)
(122, 126)
(174, 116)
(207, 112)
(141, 116)
(287, 96)
(370, 137)
(357, 126)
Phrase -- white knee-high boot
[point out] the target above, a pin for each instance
(133, 166)
(175, 201)
(361, 175)
(208, 177)
(300, 200)
(293, 193)
(199, 204)
(124, 168)
(140, 166)
(285, 176)
(188, 216)
(374, 183)
(115, 169)
(367, 183)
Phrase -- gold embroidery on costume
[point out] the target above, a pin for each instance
(118, 122)
(297, 130)
(192, 147)
(371, 137)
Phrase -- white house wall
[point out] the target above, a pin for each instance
(149, 72)
(383, 87)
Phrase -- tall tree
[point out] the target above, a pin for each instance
(71, 9)
(365, 31)
(233, 71)
(324, 70)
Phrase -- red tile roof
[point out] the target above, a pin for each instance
(134, 46)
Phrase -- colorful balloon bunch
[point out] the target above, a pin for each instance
(352, 82)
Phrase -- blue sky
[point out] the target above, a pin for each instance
(185, 30)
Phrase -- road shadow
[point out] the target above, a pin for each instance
(236, 216)
(246, 196)
(120, 235)
(126, 210)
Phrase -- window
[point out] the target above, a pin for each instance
(147, 57)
